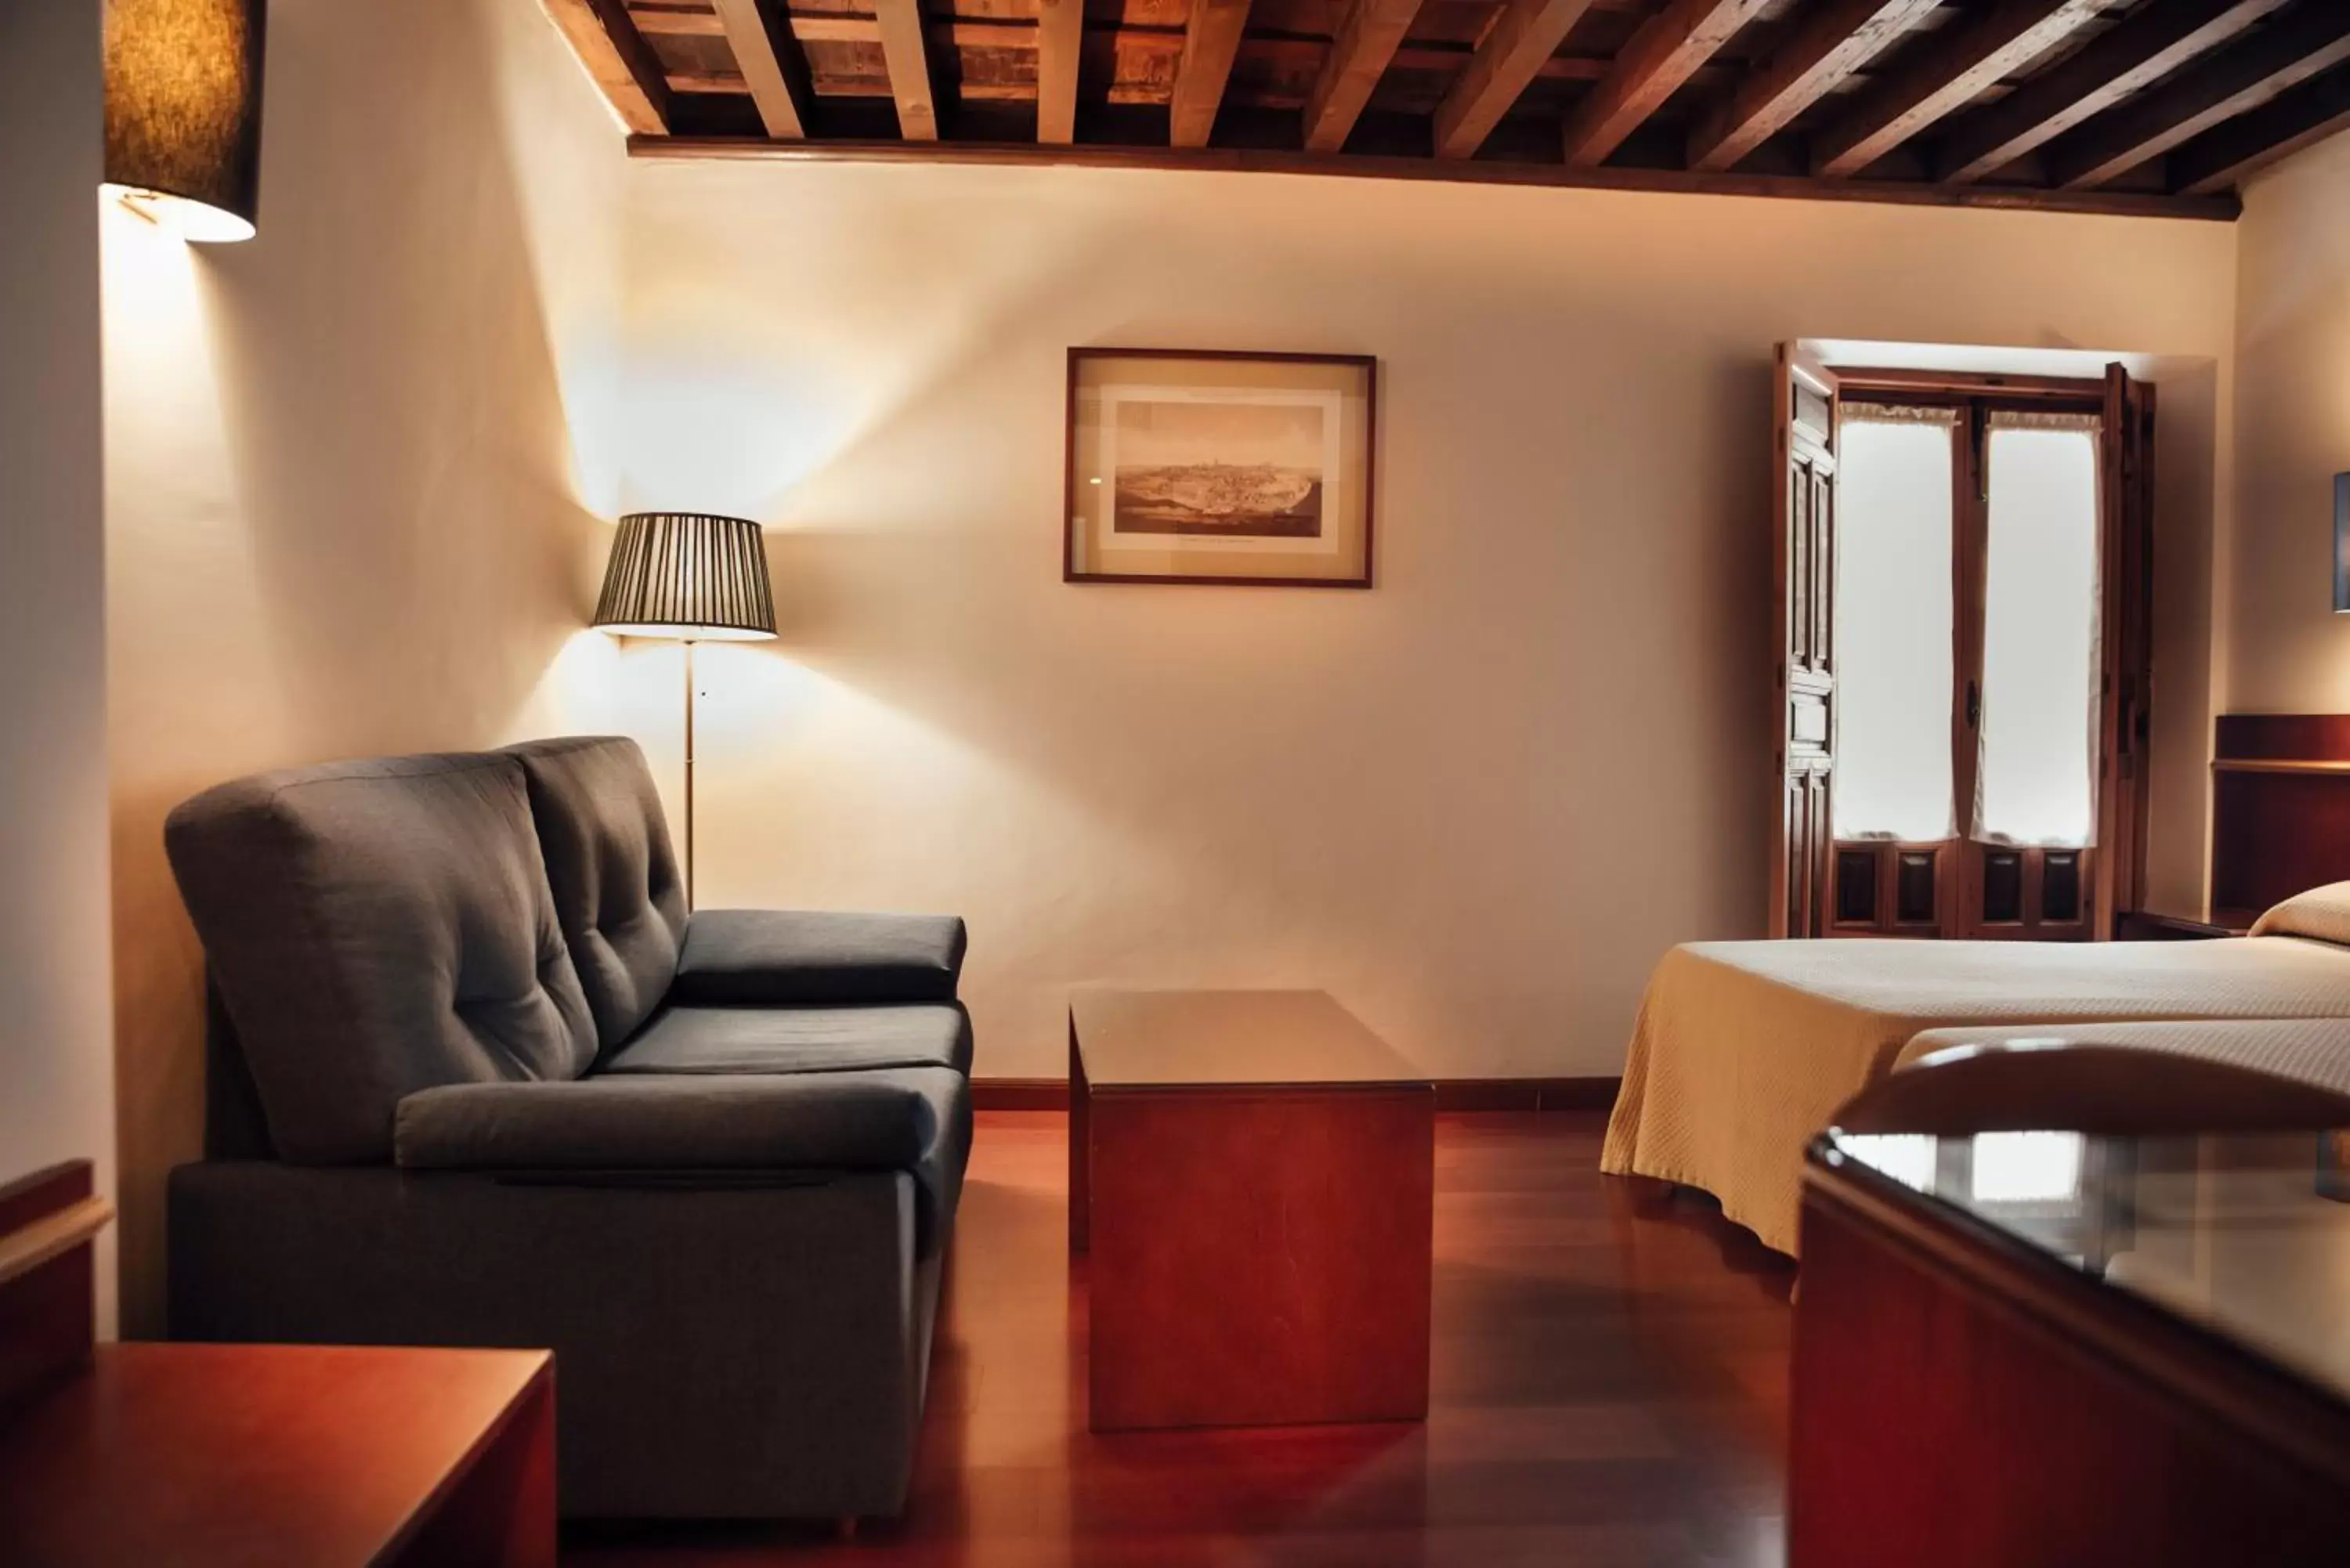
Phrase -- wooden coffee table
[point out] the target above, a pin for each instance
(1253, 1173)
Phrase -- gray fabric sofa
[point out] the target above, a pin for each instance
(478, 1077)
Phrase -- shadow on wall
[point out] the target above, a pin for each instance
(341, 508)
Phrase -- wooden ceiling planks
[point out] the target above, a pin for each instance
(2132, 57)
(1359, 56)
(2137, 106)
(907, 54)
(772, 69)
(1833, 42)
(1525, 34)
(2289, 50)
(1060, 47)
(1942, 79)
(618, 61)
(1210, 39)
(1660, 58)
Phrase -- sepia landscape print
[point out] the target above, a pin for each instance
(1238, 470)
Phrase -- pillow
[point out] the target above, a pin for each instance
(2321, 915)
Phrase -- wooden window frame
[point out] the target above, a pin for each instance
(2109, 871)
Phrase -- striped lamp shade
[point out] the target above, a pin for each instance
(687, 574)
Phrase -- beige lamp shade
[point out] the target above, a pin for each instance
(689, 575)
(183, 112)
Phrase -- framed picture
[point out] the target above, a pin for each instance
(1195, 467)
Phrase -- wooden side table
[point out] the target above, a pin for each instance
(1253, 1173)
(256, 1455)
(2050, 1348)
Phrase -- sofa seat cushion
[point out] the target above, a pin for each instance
(720, 1039)
(812, 959)
(617, 893)
(672, 1128)
(376, 928)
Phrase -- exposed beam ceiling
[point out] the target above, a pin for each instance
(1210, 39)
(2142, 50)
(1060, 38)
(910, 68)
(1366, 42)
(1944, 77)
(1522, 36)
(1660, 58)
(624, 69)
(2115, 106)
(761, 37)
(2227, 154)
(1827, 47)
(2239, 78)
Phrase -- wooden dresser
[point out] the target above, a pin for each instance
(249, 1454)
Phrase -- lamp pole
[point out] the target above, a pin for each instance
(689, 773)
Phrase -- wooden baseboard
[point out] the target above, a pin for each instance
(1451, 1093)
(1020, 1094)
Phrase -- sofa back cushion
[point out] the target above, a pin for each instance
(377, 928)
(618, 894)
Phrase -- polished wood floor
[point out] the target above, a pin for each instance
(1609, 1387)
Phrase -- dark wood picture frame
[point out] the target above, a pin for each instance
(1368, 365)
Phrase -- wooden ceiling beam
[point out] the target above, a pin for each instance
(1945, 78)
(2237, 80)
(2226, 155)
(617, 59)
(1211, 38)
(1366, 41)
(769, 57)
(1828, 46)
(1525, 34)
(909, 61)
(2115, 65)
(1060, 43)
(1652, 68)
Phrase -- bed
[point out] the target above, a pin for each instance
(1743, 1050)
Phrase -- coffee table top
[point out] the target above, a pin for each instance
(1184, 1039)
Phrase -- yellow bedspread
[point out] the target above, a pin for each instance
(1743, 1050)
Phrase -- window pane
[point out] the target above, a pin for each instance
(2040, 635)
(1893, 631)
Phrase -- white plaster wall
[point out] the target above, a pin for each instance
(56, 1070)
(358, 469)
(2287, 651)
(1476, 802)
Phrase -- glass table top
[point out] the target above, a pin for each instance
(2245, 1234)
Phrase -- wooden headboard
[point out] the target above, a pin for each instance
(2280, 809)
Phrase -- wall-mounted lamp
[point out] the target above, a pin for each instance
(695, 577)
(2342, 543)
(183, 113)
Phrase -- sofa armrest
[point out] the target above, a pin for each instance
(789, 958)
(884, 1119)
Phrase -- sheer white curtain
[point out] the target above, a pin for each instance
(2036, 783)
(1894, 619)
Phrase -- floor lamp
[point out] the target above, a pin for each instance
(694, 578)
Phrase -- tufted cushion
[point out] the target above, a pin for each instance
(618, 895)
(378, 927)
